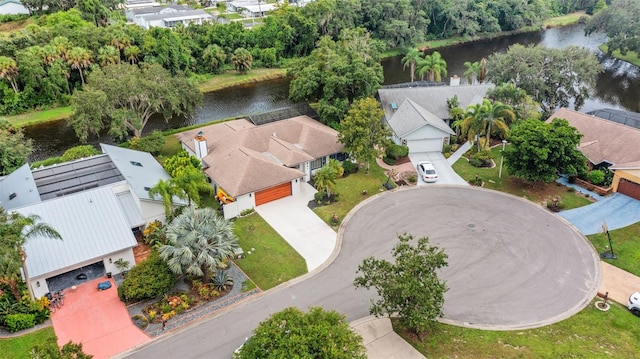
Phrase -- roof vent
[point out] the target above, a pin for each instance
(138, 164)
(13, 195)
(394, 106)
(147, 188)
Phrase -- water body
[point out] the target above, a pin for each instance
(618, 87)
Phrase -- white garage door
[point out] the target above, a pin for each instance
(426, 145)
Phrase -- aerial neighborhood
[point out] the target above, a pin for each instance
(319, 179)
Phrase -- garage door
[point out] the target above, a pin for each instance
(273, 193)
(426, 145)
(629, 188)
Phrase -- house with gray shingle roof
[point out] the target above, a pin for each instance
(610, 144)
(251, 164)
(419, 116)
(97, 204)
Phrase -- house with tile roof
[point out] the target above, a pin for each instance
(251, 164)
(12, 7)
(97, 204)
(419, 116)
(610, 144)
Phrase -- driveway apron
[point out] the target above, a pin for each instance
(97, 319)
(618, 211)
(446, 174)
(309, 235)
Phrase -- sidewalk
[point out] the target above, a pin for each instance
(619, 283)
(381, 341)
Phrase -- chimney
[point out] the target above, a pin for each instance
(454, 81)
(200, 144)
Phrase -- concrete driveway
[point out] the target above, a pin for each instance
(309, 235)
(617, 210)
(446, 174)
(512, 265)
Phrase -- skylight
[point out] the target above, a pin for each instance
(136, 163)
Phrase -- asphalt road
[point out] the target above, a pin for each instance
(512, 265)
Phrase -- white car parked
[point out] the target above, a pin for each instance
(634, 303)
(427, 172)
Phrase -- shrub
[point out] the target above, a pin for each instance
(205, 291)
(476, 181)
(149, 279)
(151, 143)
(396, 151)
(247, 212)
(446, 148)
(555, 205)
(349, 167)
(318, 196)
(48, 162)
(412, 178)
(596, 177)
(388, 160)
(78, 152)
(222, 280)
(19, 321)
(475, 162)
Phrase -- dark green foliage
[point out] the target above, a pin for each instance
(79, 152)
(596, 177)
(149, 279)
(539, 151)
(475, 162)
(396, 151)
(619, 22)
(349, 167)
(151, 143)
(222, 280)
(19, 321)
(410, 287)
(50, 350)
(292, 333)
(14, 148)
(483, 157)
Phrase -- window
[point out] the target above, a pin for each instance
(136, 163)
(317, 163)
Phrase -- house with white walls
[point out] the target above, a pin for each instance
(99, 205)
(251, 164)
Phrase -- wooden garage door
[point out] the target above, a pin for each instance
(629, 188)
(273, 193)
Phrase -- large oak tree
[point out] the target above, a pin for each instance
(553, 77)
(123, 97)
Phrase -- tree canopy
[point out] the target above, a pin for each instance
(363, 132)
(292, 333)
(14, 148)
(337, 73)
(620, 22)
(553, 77)
(410, 287)
(123, 97)
(541, 151)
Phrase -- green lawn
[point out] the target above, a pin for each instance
(350, 192)
(539, 193)
(588, 334)
(564, 20)
(272, 260)
(36, 117)
(19, 347)
(626, 246)
(630, 57)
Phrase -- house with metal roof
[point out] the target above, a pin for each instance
(97, 204)
(419, 116)
(251, 164)
(169, 17)
(12, 7)
(610, 144)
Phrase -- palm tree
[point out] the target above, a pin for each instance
(214, 56)
(498, 116)
(483, 69)
(471, 74)
(472, 123)
(167, 190)
(9, 71)
(132, 53)
(108, 55)
(193, 182)
(62, 45)
(434, 66)
(16, 229)
(325, 180)
(242, 60)
(412, 58)
(198, 242)
(79, 58)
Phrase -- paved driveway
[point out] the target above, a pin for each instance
(446, 174)
(617, 210)
(512, 265)
(97, 319)
(309, 235)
